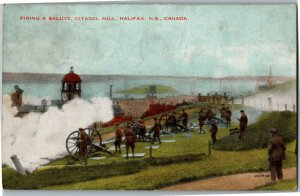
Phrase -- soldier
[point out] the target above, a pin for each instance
(84, 141)
(118, 135)
(228, 116)
(201, 119)
(130, 139)
(223, 112)
(142, 129)
(243, 125)
(156, 129)
(276, 151)
(214, 130)
(173, 120)
(209, 114)
(184, 117)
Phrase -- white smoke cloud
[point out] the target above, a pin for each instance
(28, 99)
(42, 135)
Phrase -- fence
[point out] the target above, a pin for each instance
(270, 103)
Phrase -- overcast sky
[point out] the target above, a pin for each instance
(216, 41)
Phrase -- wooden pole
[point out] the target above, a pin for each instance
(151, 151)
(126, 153)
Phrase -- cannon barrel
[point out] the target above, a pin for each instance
(20, 169)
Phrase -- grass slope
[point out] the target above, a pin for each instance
(155, 177)
(73, 174)
(257, 133)
(145, 88)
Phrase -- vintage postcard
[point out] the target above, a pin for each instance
(169, 97)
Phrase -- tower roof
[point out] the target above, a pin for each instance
(71, 77)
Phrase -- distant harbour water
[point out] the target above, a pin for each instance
(101, 88)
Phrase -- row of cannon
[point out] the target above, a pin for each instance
(169, 123)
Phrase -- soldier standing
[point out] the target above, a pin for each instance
(276, 151)
(201, 119)
(223, 112)
(214, 130)
(173, 121)
(142, 129)
(130, 139)
(243, 125)
(228, 116)
(118, 135)
(84, 141)
(209, 114)
(156, 129)
(184, 117)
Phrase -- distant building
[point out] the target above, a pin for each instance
(270, 83)
(213, 98)
(71, 86)
(137, 107)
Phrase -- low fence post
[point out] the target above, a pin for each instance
(126, 153)
(294, 108)
(285, 107)
(150, 151)
(209, 148)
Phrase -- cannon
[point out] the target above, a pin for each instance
(170, 124)
(73, 143)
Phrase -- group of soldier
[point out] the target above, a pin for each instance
(226, 114)
(131, 135)
(131, 132)
(175, 122)
(276, 147)
(130, 138)
(208, 118)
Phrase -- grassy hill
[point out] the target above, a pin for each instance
(257, 133)
(286, 87)
(145, 89)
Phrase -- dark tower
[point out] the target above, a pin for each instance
(110, 91)
(71, 86)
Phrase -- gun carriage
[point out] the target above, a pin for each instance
(95, 144)
(171, 123)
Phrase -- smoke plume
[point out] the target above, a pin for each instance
(37, 136)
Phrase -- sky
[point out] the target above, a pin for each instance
(215, 41)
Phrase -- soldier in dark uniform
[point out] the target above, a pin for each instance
(223, 112)
(84, 141)
(209, 114)
(142, 129)
(118, 134)
(184, 117)
(201, 119)
(243, 125)
(276, 151)
(130, 139)
(173, 121)
(228, 116)
(214, 130)
(156, 129)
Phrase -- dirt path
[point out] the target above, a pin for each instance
(244, 181)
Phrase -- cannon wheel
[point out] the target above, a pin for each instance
(168, 128)
(72, 142)
(163, 123)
